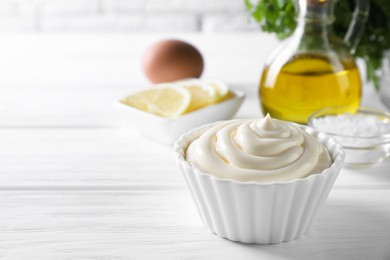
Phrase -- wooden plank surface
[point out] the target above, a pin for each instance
(163, 224)
(76, 183)
(111, 157)
(84, 105)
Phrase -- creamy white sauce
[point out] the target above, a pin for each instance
(265, 150)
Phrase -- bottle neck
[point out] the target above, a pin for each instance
(315, 13)
(314, 22)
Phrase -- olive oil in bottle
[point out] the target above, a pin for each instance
(307, 83)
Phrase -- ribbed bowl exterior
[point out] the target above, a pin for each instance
(254, 212)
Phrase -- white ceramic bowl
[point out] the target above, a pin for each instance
(253, 212)
(167, 130)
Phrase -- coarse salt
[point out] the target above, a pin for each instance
(358, 125)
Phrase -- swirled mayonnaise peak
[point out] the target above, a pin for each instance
(265, 150)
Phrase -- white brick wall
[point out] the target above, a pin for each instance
(123, 16)
(228, 22)
(187, 6)
(65, 7)
(8, 7)
(118, 23)
(18, 23)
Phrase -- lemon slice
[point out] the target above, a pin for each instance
(135, 102)
(202, 95)
(164, 101)
(220, 87)
(177, 98)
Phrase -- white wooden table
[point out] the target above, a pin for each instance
(76, 183)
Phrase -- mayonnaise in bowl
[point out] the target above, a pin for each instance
(264, 151)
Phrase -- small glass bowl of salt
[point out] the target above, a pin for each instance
(364, 134)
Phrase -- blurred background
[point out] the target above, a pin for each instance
(57, 16)
(55, 55)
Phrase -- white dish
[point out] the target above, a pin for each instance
(360, 150)
(262, 213)
(167, 130)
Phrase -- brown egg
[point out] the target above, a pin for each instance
(172, 60)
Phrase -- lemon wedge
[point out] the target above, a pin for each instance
(164, 101)
(201, 96)
(174, 99)
(222, 90)
(135, 102)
